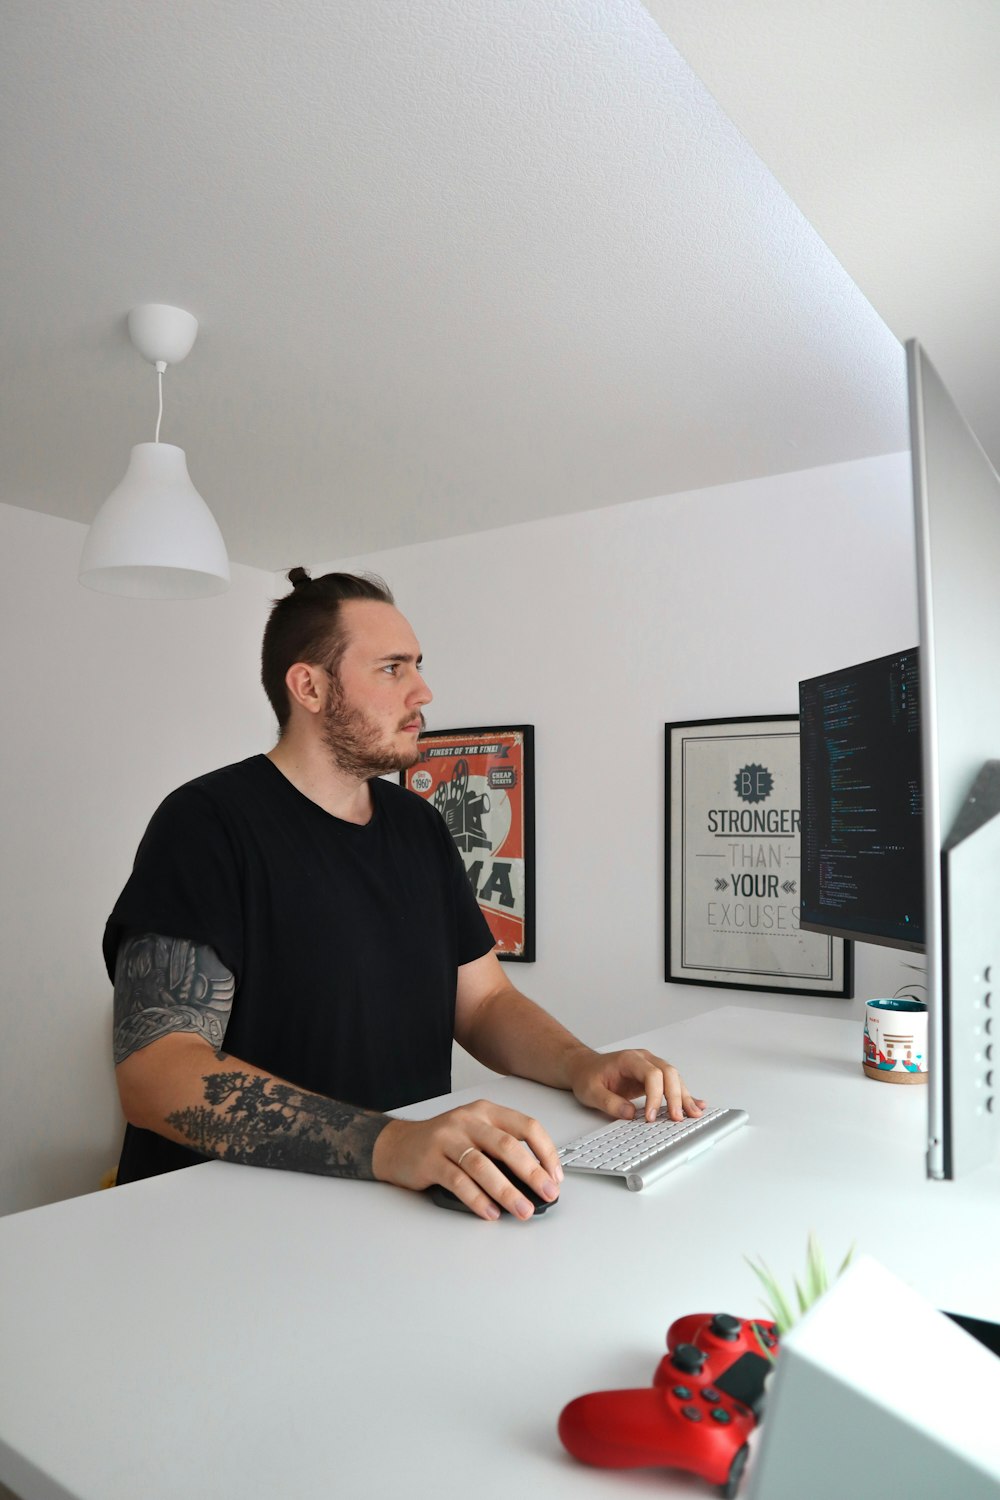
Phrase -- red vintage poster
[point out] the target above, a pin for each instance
(482, 783)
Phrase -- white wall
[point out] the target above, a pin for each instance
(108, 704)
(595, 627)
(601, 626)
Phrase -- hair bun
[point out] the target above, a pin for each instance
(298, 578)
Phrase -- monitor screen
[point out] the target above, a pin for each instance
(862, 848)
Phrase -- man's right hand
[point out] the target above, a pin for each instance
(453, 1149)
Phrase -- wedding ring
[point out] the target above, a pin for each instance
(465, 1154)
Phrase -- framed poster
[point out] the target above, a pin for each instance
(733, 862)
(482, 782)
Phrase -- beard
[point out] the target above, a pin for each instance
(355, 742)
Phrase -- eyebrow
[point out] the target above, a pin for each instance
(401, 656)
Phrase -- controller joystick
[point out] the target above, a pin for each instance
(687, 1358)
(707, 1397)
(724, 1326)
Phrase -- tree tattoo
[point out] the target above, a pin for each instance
(166, 985)
(261, 1122)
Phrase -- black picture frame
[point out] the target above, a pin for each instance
(482, 781)
(731, 862)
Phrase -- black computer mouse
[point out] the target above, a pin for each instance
(445, 1198)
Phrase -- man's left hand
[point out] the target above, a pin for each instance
(609, 1081)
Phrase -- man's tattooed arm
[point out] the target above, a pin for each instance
(195, 1094)
(163, 985)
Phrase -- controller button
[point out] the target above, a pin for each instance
(711, 1394)
(688, 1358)
(683, 1392)
(692, 1413)
(724, 1326)
(719, 1414)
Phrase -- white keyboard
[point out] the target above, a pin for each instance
(643, 1150)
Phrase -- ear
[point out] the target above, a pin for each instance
(307, 686)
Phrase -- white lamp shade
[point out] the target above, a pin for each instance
(154, 537)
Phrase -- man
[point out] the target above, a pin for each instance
(298, 945)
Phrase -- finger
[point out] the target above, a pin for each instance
(664, 1085)
(464, 1185)
(506, 1193)
(673, 1089)
(642, 1073)
(521, 1160)
(631, 1073)
(491, 1189)
(623, 1109)
(598, 1096)
(654, 1085)
(503, 1134)
(514, 1130)
(689, 1105)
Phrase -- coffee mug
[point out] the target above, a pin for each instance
(895, 1043)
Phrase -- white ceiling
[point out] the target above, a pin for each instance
(460, 263)
(882, 122)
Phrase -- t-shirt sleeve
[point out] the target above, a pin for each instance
(186, 882)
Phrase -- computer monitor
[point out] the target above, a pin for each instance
(865, 790)
(862, 844)
(957, 509)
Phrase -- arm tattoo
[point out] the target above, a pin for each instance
(167, 984)
(253, 1119)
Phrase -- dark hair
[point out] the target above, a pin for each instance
(305, 626)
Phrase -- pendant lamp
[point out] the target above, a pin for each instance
(154, 537)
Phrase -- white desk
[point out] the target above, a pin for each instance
(226, 1332)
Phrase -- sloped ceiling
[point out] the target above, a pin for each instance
(882, 122)
(457, 264)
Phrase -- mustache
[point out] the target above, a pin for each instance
(409, 720)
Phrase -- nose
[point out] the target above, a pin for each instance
(421, 693)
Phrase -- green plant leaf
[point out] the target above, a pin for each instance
(817, 1281)
(765, 1348)
(778, 1307)
(846, 1261)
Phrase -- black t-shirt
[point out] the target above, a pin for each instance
(344, 939)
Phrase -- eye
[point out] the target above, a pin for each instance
(391, 667)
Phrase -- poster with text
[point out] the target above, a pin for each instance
(733, 862)
(482, 783)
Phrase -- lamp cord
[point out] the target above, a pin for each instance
(159, 419)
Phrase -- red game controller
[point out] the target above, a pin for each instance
(718, 1341)
(706, 1399)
